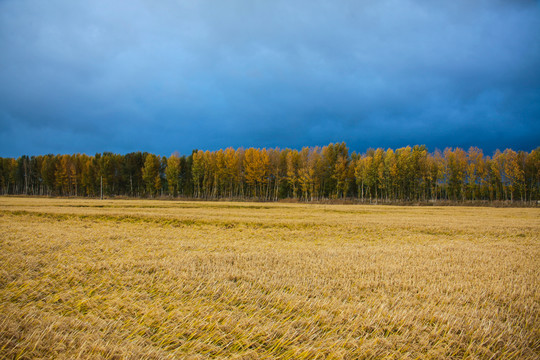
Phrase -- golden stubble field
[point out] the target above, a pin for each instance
(141, 279)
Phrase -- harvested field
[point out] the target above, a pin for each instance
(142, 279)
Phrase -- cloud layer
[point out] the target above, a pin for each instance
(177, 75)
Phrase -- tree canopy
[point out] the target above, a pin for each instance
(313, 173)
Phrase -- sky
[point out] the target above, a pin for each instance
(174, 75)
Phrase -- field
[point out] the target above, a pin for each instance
(142, 279)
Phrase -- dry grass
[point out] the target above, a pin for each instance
(195, 280)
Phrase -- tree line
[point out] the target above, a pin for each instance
(408, 174)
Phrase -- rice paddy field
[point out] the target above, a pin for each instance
(143, 279)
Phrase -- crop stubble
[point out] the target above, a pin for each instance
(167, 279)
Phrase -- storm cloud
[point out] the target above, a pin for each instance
(162, 76)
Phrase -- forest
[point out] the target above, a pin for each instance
(408, 174)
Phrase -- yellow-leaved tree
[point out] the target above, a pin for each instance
(151, 174)
(173, 174)
(256, 167)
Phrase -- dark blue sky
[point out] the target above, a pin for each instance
(164, 76)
